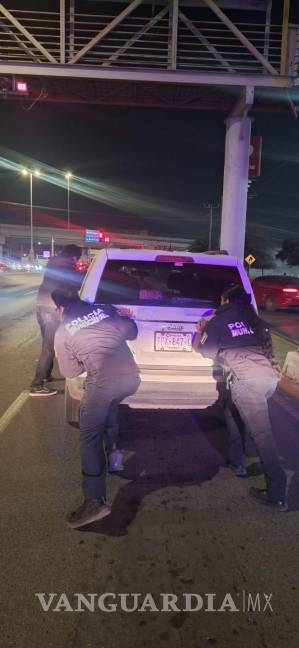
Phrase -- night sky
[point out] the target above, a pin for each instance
(170, 159)
(156, 168)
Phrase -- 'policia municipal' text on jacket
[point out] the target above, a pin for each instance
(230, 328)
(238, 346)
(92, 338)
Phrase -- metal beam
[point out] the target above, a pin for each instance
(267, 29)
(152, 76)
(26, 33)
(254, 5)
(19, 42)
(62, 31)
(293, 108)
(244, 103)
(205, 42)
(292, 59)
(136, 37)
(72, 29)
(240, 36)
(118, 19)
(173, 34)
(284, 37)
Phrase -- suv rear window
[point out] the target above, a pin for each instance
(164, 283)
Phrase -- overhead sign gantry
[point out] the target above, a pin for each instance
(221, 54)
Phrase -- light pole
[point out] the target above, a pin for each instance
(68, 176)
(27, 172)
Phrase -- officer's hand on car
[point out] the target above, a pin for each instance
(201, 325)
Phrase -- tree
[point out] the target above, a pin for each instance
(199, 245)
(256, 246)
(253, 245)
(289, 252)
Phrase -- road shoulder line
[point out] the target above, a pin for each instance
(12, 410)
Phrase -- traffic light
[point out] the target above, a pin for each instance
(103, 237)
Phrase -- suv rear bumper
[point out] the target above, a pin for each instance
(163, 389)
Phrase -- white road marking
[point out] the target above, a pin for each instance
(29, 292)
(12, 410)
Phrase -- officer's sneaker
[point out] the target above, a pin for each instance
(42, 390)
(261, 496)
(240, 471)
(90, 511)
(115, 461)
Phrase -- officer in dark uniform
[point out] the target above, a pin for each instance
(60, 272)
(235, 338)
(92, 338)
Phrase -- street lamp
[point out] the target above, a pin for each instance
(68, 176)
(37, 173)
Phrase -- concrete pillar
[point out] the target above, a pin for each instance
(235, 185)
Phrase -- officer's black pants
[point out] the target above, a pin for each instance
(99, 428)
(48, 322)
(236, 432)
(250, 397)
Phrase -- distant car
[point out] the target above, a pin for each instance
(276, 291)
(167, 294)
(3, 266)
(37, 267)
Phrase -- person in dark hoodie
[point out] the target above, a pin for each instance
(238, 340)
(92, 338)
(60, 271)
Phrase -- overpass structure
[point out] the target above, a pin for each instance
(15, 239)
(234, 55)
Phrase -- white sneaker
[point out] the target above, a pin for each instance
(240, 471)
(115, 461)
(90, 511)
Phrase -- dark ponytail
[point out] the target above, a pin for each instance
(239, 297)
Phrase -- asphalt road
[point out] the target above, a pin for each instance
(180, 523)
(18, 332)
(284, 321)
(17, 292)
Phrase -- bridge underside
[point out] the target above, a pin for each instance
(155, 94)
(174, 53)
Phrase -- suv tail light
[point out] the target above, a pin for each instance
(166, 258)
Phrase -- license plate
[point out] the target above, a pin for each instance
(167, 341)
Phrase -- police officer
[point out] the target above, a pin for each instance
(236, 337)
(92, 338)
(60, 271)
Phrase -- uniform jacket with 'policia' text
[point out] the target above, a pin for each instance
(92, 338)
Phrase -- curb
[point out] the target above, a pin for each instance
(286, 385)
(289, 387)
(283, 336)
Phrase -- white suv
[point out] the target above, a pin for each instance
(167, 292)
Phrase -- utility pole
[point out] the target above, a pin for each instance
(211, 208)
